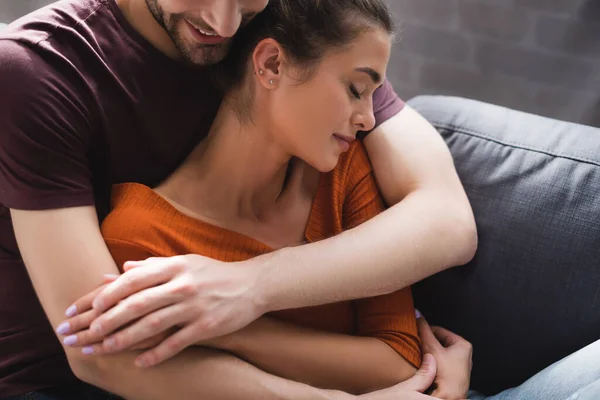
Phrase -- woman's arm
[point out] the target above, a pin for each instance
(385, 349)
(327, 360)
(66, 257)
(431, 228)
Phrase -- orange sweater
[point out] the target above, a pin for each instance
(142, 224)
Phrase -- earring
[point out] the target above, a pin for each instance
(260, 71)
(272, 82)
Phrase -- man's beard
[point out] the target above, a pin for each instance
(202, 55)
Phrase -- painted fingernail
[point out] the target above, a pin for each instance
(418, 314)
(110, 344)
(71, 311)
(70, 340)
(63, 328)
(87, 350)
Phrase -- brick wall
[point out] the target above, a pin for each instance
(13, 9)
(541, 56)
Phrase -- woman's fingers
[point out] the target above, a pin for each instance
(77, 324)
(84, 303)
(81, 316)
(429, 342)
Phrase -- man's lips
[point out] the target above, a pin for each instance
(204, 36)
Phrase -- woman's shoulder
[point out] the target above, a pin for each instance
(352, 166)
(138, 216)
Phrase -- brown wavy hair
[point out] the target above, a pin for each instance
(306, 29)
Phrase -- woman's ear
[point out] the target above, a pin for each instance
(268, 62)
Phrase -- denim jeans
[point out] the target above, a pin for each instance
(576, 377)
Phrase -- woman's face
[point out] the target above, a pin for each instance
(316, 120)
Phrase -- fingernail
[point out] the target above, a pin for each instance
(418, 314)
(87, 350)
(111, 276)
(141, 362)
(71, 311)
(427, 360)
(70, 340)
(110, 344)
(96, 327)
(63, 328)
(97, 304)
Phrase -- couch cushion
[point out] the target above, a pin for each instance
(532, 293)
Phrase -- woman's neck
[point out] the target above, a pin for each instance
(238, 171)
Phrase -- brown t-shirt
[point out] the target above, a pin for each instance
(85, 102)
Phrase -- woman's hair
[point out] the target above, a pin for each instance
(306, 29)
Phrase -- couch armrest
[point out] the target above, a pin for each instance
(531, 295)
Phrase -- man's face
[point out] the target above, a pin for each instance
(202, 29)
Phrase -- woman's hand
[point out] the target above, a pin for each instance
(453, 356)
(199, 297)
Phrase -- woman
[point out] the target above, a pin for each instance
(298, 94)
(280, 167)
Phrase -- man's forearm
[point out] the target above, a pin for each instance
(353, 364)
(405, 244)
(196, 373)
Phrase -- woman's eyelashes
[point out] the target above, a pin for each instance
(354, 92)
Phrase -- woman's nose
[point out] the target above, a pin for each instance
(364, 120)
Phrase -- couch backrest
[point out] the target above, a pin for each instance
(532, 293)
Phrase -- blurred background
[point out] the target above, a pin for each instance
(540, 56)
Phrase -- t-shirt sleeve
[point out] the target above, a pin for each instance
(386, 104)
(389, 318)
(45, 132)
(363, 200)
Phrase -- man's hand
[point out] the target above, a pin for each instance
(201, 297)
(454, 357)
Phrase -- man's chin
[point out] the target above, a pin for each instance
(206, 57)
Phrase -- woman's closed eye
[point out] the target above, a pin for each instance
(354, 91)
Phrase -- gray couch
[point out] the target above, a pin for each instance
(532, 293)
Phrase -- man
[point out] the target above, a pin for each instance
(103, 91)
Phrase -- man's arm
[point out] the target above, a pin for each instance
(429, 227)
(66, 257)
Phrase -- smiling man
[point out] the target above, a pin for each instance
(97, 92)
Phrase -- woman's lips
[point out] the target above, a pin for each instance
(344, 141)
(203, 36)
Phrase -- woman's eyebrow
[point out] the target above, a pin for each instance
(375, 76)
